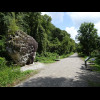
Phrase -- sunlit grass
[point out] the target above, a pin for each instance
(51, 57)
(11, 75)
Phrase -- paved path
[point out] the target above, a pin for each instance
(67, 72)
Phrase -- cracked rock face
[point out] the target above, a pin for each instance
(22, 48)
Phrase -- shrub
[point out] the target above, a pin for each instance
(95, 53)
(2, 63)
(98, 59)
(81, 54)
(10, 74)
(47, 57)
(2, 46)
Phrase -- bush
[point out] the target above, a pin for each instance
(2, 63)
(2, 46)
(49, 54)
(10, 74)
(7, 75)
(95, 53)
(47, 57)
(97, 60)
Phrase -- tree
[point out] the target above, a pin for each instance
(12, 26)
(42, 40)
(3, 26)
(55, 46)
(87, 36)
(72, 45)
(98, 43)
(49, 37)
(46, 24)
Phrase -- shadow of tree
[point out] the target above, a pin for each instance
(84, 79)
(52, 82)
(91, 77)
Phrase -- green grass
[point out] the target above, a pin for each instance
(96, 67)
(82, 56)
(50, 57)
(46, 59)
(93, 84)
(9, 76)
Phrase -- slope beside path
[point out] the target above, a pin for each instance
(67, 72)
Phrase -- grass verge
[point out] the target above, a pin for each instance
(50, 57)
(95, 66)
(10, 76)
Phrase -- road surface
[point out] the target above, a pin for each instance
(68, 72)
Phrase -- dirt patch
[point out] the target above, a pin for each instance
(33, 66)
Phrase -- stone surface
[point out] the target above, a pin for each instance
(22, 48)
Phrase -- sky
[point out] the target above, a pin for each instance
(71, 21)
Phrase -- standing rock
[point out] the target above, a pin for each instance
(21, 47)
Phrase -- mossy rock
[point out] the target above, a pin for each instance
(21, 47)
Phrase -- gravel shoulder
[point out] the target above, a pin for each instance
(34, 66)
(68, 72)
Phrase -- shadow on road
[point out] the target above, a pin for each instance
(85, 79)
(52, 82)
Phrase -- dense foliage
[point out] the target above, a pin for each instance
(89, 43)
(52, 42)
(49, 38)
(88, 38)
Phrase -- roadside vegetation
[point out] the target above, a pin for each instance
(52, 42)
(10, 75)
(51, 57)
(89, 44)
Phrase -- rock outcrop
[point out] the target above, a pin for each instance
(22, 48)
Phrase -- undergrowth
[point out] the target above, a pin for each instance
(49, 57)
(11, 74)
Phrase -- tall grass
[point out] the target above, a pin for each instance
(10, 74)
(96, 63)
(49, 57)
(46, 58)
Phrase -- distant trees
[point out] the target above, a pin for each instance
(87, 35)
